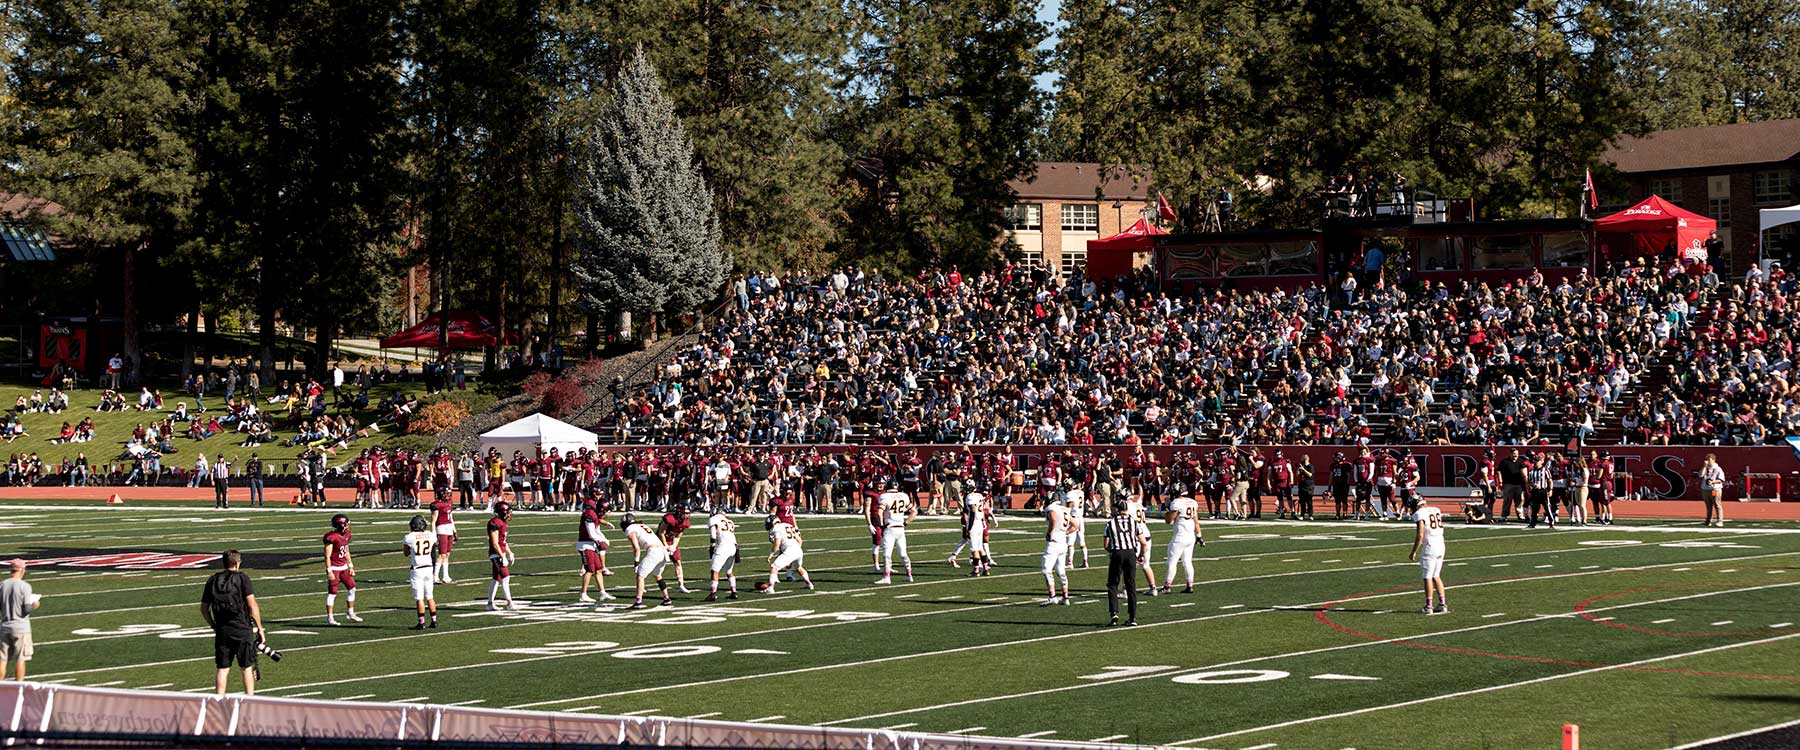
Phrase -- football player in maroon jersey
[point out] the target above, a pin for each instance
(445, 526)
(339, 571)
(674, 524)
(590, 543)
(500, 555)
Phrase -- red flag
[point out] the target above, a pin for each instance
(1593, 197)
(1163, 210)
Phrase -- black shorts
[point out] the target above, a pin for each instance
(231, 647)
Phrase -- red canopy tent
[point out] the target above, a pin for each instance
(468, 330)
(1111, 257)
(1650, 227)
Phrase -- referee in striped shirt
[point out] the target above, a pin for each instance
(1126, 539)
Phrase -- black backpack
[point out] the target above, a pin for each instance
(225, 592)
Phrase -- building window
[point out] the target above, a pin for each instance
(1772, 187)
(1667, 187)
(1073, 261)
(1025, 217)
(1081, 217)
(1719, 209)
(1032, 258)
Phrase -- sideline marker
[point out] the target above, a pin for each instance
(114, 500)
(1571, 737)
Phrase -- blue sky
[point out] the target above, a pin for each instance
(1047, 13)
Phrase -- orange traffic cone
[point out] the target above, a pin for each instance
(115, 500)
(295, 501)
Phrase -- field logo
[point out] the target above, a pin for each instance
(134, 561)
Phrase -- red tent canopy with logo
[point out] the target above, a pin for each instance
(1110, 257)
(468, 330)
(1650, 227)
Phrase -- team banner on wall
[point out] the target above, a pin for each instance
(32, 707)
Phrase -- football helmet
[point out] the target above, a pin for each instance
(503, 509)
(418, 523)
(340, 522)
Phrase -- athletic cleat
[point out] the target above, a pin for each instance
(351, 616)
(1426, 610)
(490, 608)
(511, 607)
(1111, 621)
(606, 597)
(1048, 602)
(420, 626)
(639, 604)
(954, 563)
(1441, 609)
(332, 621)
(447, 580)
(711, 596)
(884, 580)
(667, 602)
(1189, 589)
(732, 595)
(1065, 601)
(686, 590)
(585, 599)
(433, 624)
(1131, 623)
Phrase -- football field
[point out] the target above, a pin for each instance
(1296, 636)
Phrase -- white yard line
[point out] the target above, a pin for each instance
(776, 717)
(1252, 660)
(1735, 735)
(1057, 637)
(640, 712)
(157, 686)
(900, 726)
(465, 703)
(1109, 738)
(1488, 689)
(707, 715)
(357, 697)
(1030, 735)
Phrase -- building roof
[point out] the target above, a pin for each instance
(1083, 181)
(1716, 146)
(21, 238)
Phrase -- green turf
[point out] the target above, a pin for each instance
(949, 653)
(113, 429)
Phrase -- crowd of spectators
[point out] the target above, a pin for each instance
(1021, 356)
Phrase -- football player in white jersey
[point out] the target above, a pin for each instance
(1184, 516)
(420, 548)
(651, 555)
(1075, 506)
(896, 510)
(980, 519)
(1059, 527)
(787, 551)
(1428, 549)
(971, 505)
(722, 547)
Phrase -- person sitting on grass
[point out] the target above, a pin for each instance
(258, 434)
(146, 400)
(202, 429)
(84, 432)
(13, 430)
(19, 405)
(181, 412)
(64, 435)
(110, 400)
(58, 402)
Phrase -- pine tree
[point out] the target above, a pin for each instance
(101, 93)
(1713, 62)
(944, 110)
(649, 240)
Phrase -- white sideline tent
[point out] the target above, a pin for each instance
(1774, 217)
(537, 431)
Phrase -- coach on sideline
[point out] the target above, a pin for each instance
(229, 606)
(1126, 539)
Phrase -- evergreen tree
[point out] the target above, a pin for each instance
(649, 240)
(943, 111)
(1713, 62)
(101, 92)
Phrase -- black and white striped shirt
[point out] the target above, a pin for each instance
(1125, 533)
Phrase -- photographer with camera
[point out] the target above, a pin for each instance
(229, 606)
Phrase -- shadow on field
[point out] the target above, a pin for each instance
(1789, 700)
(1038, 623)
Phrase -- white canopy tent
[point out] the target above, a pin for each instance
(538, 431)
(1771, 218)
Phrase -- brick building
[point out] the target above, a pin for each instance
(1068, 203)
(1727, 172)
